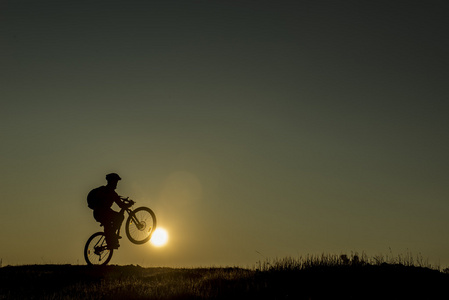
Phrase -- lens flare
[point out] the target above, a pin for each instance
(159, 237)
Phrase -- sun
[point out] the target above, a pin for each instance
(159, 237)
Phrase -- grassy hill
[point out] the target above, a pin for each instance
(341, 278)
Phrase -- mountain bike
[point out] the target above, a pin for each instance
(139, 226)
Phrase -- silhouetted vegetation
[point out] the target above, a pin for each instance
(311, 277)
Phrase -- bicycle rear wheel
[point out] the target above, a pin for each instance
(95, 251)
(140, 225)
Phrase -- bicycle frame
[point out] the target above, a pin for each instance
(130, 214)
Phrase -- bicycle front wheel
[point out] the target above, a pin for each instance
(140, 225)
(95, 251)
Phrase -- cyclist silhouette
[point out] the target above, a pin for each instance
(100, 200)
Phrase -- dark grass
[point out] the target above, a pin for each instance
(325, 277)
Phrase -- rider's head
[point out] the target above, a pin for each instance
(112, 179)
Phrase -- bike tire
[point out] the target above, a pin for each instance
(140, 233)
(100, 257)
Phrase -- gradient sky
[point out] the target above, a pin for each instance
(253, 129)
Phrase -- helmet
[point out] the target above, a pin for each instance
(112, 176)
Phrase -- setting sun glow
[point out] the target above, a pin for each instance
(159, 238)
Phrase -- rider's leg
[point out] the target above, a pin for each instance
(110, 235)
(108, 218)
(115, 220)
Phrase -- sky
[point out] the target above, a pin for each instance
(253, 129)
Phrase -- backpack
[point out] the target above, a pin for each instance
(93, 198)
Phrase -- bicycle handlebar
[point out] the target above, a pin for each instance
(126, 199)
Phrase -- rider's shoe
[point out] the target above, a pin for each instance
(113, 246)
